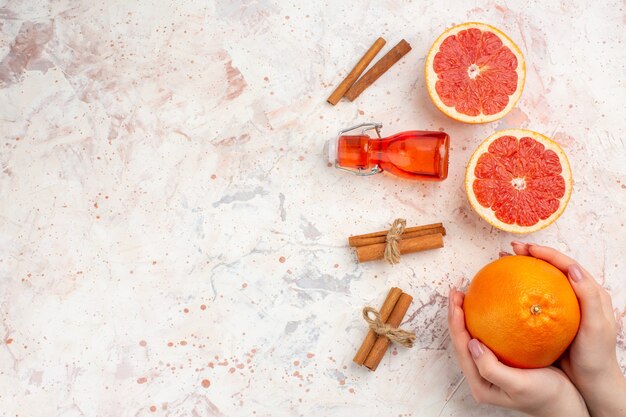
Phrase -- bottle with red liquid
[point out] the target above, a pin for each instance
(414, 155)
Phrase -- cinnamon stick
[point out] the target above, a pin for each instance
(381, 237)
(384, 232)
(414, 244)
(378, 69)
(356, 71)
(382, 343)
(390, 302)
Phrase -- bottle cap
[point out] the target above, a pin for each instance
(330, 149)
(352, 148)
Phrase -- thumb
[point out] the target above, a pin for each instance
(491, 369)
(588, 294)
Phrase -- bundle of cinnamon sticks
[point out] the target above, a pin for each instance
(371, 246)
(392, 312)
(351, 88)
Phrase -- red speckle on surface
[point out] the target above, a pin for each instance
(186, 310)
(236, 82)
(342, 382)
(9, 341)
(394, 352)
(153, 408)
(244, 285)
(310, 355)
(517, 117)
(206, 383)
(142, 343)
(95, 204)
(282, 259)
(170, 344)
(564, 139)
(142, 380)
(203, 307)
(183, 343)
(240, 366)
(296, 363)
(351, 390)
(501, 9)
(231, 371)
(211, 365)
(213, 176)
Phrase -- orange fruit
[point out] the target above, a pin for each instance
(518, 180)
(523, 309)
(475, 73)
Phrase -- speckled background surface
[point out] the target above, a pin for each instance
(172, 241)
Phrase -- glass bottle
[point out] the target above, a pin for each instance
(414, 155)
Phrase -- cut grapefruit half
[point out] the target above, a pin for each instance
(518, 181)
(475, 73)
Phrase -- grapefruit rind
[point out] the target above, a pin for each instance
(431, 75)
(489, 215)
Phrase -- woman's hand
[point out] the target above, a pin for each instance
(544, 392)
(591, 360)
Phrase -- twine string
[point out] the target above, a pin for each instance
(394, 334)
(392, 249)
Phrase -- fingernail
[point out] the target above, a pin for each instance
(517, 243)
(575, 273)
(475, 348)
(502, 254)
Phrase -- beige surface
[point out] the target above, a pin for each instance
(172, 241)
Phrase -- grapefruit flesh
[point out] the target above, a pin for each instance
(519, 181)
(475, 73)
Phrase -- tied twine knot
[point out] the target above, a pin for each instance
(394, 334)
(392, 250)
